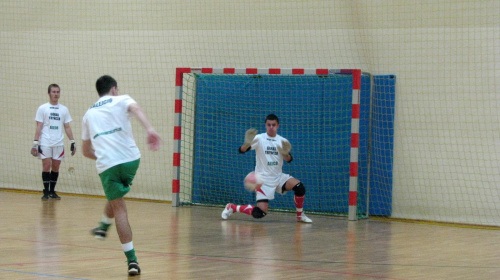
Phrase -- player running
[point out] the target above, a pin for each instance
(270, 151)
(108, 139)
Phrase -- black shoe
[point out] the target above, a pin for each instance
(45, 195)
(99, 233)
(133, 268)
(53, 195)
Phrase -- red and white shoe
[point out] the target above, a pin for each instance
(303, 219)
(228, 211)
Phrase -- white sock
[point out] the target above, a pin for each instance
(128, 246)
(105, 219)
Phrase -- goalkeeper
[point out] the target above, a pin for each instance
(270, 151)
(51, 118)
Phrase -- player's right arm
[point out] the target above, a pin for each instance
(88, 150)
(35, 149)
(249, 137)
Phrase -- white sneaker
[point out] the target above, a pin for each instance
(228, 211)
(304, 219)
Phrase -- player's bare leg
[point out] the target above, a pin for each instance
(121, 220)
(125, 234)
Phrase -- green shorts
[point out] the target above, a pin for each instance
(116, 180)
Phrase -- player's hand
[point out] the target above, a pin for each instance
(73, 147)
(249, 136)
(154, 140)
(35, 149)
(285, 148)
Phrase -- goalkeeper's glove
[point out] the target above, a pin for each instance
(249, 136)
(36, 149)
(285, 148)
(73, 148)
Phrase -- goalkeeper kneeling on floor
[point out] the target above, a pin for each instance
(270, 151)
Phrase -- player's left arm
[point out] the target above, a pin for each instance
(153, 138)
(285, 149)
(288, 158)
(69, 133)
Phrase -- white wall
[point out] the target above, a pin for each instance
(445, 54)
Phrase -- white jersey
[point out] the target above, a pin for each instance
(107, 125)
(269, 161)
(53, 118)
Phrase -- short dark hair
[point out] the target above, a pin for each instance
(52, 86)
(272, 117)
(104, 84)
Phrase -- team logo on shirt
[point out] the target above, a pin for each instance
(54, 116)
(100, 103)
(271, 151)
(108, 132)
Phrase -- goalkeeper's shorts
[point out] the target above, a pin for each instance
(55, 153)
(269, 187)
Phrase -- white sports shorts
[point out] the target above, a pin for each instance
(56, 153)
(269, 187)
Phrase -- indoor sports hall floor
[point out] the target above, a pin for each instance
(51, 240)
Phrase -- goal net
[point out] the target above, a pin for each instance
(318, 113)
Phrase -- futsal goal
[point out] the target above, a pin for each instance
(326, 114)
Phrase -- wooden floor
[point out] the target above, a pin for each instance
(51, 240)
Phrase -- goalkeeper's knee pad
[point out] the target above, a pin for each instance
(299, 189)
(257, 213)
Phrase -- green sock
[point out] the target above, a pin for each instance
(105, 226)
(131, 255)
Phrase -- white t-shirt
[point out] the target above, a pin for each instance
(53, 118)
(269, 161)
(107, 125)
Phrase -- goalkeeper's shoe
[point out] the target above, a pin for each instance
(53, 195)
(99, 233)
(228, 211)
(133, 268)
(303, 219)
(45, 195)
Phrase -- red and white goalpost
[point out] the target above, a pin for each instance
(355, 120)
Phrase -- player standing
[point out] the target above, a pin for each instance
(51, 118)
(270, 151)
(107, 138)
